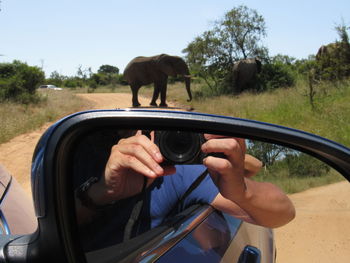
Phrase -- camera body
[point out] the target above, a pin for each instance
(180, 147)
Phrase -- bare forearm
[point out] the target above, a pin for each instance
(266, 204)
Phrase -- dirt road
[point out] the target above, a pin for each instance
(320, 233)
(16, 155)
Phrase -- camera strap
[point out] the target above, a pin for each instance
(189, 190)
(135, 213)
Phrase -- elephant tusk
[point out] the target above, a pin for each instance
(187, 76)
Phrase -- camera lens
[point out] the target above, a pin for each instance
(179, 147)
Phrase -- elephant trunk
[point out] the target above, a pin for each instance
(188, 86)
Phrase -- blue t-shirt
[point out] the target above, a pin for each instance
(160, 199)
(165, 192)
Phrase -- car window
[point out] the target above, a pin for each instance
(285, 167)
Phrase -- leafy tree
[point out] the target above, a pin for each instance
(302, 164)
(106, 75)
(56, 78)
(303, 66)
(18, 81)
(268, 153)
(279, 72)
(84, 74)
(72, 82)
(205, 58)
(236, 36)
(7, 70)
(108, 69)
(105, 79)
(283, 161)
(242, 29)
(32, 77)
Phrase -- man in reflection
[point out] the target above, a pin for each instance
(134, 172)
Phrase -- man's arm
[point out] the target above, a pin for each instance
(263, 204)
(130, 161)
(256, 202)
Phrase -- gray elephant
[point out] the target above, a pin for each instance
(244, 73)
(146, 70)
(338, 51)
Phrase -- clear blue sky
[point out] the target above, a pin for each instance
(61, 35)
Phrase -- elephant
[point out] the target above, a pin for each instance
(146, 70)
(338, 50)
(244, 73)
(334, 60)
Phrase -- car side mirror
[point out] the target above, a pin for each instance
(54, 182)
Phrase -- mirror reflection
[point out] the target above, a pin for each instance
(130, 182)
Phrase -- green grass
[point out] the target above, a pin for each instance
(288, 107)
(329, 118)
(16, 118)
(292, 185)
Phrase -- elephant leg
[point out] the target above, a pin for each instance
(163, 95)
(236, 87)
(135, 100)
(155, 95)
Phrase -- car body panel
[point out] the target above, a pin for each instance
(205, 235)
(17, 212)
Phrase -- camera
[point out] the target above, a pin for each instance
(181, 147)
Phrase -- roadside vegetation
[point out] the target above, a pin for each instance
(17, 118)
(309, 94)
(329, 117)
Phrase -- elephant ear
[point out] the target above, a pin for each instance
(165, 65)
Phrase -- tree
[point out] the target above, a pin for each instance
(279, 72)
(242, 29)
(56, 78)
(205, 58)
(106, 75)
(7, 70)
(84, 74)
(108, 69)
(236, 36)
(18, 81)
(268, 153)
(304, 165)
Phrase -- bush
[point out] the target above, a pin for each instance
(276, 75)
(56, 79)
(104, 79)
(18, 82)
(32, 77)
(71, 83)
(10, 88)
(305, 165)
(7, 70)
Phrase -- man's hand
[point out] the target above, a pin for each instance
(130, 161)
(256, 202)
(228, 174)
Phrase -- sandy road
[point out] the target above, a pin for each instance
(16, 155)
(321, 230)
(320, 233)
